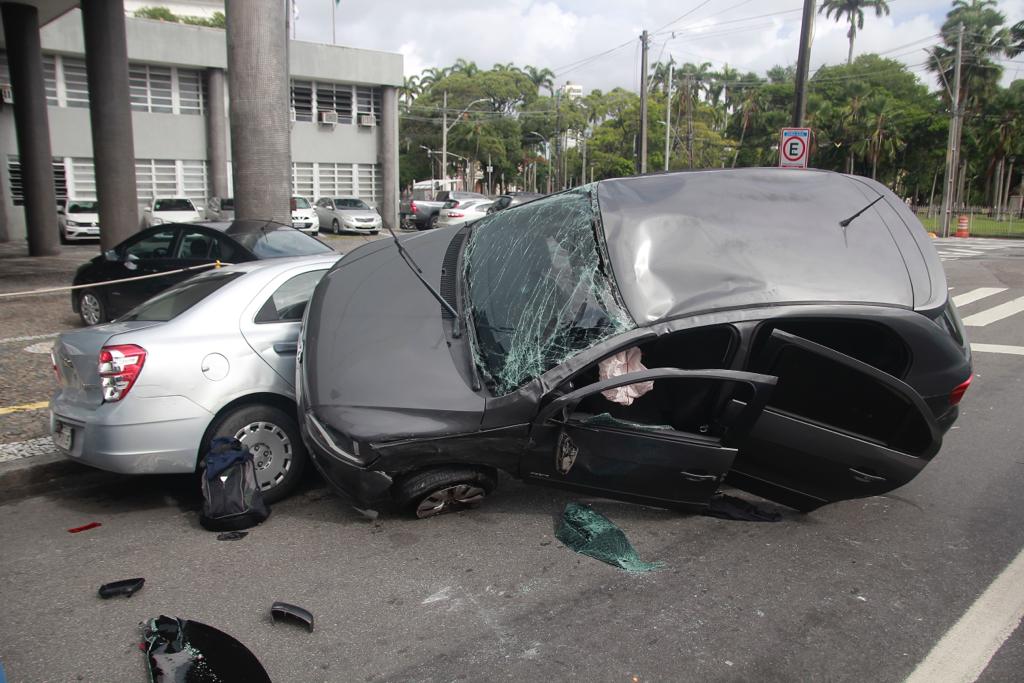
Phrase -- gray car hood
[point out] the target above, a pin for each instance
(687, 243)
(376, 360)
(358, 213)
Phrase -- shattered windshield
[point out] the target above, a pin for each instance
(537, 294)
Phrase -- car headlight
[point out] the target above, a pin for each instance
(157, 221)
(73, 224)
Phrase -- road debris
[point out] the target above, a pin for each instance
(84, 527)
(588, 532)
(183, 650)
(283, 610)
(125, 587)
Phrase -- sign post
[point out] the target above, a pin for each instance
(794, 147)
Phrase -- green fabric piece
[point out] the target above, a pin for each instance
(588, 532)
(607, 420)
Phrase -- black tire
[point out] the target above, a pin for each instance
(412, 492)
(63, 236)
(316, 233)
(239, 423)
(375, 232)
(433, 222)
(92, 310)
(334, 227)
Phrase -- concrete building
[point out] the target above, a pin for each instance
(343, 114)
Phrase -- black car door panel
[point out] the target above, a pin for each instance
(835, 428)
(657, 464)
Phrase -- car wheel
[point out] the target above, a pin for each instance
(63, 235)
(273, 438)
(315, 233)
(436, 491)
(404, 222)
(90, 308)
(334, 226)
(433, 222)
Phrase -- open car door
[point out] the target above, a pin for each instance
(835, 428)
(679, 466)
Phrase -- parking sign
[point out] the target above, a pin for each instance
(794, 147)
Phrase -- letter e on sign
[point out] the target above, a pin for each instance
(794, 147)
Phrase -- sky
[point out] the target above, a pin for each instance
(568, 35)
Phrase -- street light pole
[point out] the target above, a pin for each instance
(547, 146)
(444, 134)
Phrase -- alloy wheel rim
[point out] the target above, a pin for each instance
(90, 307)
(271, 450)
(445, 499)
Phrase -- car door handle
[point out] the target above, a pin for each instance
(865, 478)
(693, 476)
(286, 348)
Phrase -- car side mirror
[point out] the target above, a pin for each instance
(147, 210)
(110, 255)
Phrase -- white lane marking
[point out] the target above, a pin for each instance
(999, 312)
(39, 347)
(964, 252)
(968, 647)
(976, 294)
(31, 337)
(26, 449)
(998, 348)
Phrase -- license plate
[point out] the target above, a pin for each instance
(62, 436)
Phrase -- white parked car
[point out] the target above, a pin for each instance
(467, 211)
(162, 210)
(78, 219)
(348, 214)
(304, 216)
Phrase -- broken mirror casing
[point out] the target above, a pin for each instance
(179, 650)
(126, 587)
(387, 387)
(283, 611)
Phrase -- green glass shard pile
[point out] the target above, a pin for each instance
(590, 533)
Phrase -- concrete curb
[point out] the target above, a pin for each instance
(44, 473)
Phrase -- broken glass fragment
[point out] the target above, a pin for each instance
(537, 292)
(588, 532)
(608, 420)
(183, 651)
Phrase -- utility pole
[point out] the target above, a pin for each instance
(444, 142)
(643, 103)
(689, 118)
(952, 148)
(668, 113)
(803, 62)
(558, 140)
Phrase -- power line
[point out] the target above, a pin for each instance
(682, 16)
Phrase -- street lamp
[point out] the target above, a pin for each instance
(547, 149)
(430, 158)
(444, 134)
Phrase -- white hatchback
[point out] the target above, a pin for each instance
(162, 210)
(78, 219)
(304, 216)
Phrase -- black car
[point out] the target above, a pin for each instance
(172, 247)
(507, 201)
(795, 326)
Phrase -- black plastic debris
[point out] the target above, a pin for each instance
(590, 533)
(724, 506)
(232, 535)
(285, 611)
(184, 651)
(126, 587)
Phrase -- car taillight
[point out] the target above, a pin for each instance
(413, 207)
(119, 367)
(53, 362)
(456, 214)
(957, 394)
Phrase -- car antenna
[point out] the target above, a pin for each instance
(418, 272)
(845, 222)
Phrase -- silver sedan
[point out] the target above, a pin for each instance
(212, 356)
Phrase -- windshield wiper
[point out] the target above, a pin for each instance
(418, 272)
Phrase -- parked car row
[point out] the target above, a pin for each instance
(646, 339)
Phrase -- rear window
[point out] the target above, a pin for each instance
(173, 302)
(299, 203)
(174, 205)
(276, 242)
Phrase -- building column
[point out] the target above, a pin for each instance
(216, 133)
(25, 58)
(110, 115)
(260, 132)
(389, 155)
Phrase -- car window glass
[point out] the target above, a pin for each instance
(194, 244)
(228, 203)
(299, 203)
(537, 291)
(288, 303)
(83, 207)
(173, 205)
(154, 245)
(223, 249)
(280, 242)
(174, 301)
(351, 204)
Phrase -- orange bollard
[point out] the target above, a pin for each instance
(962, 229)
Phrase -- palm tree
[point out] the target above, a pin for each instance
(410, 89)
(542, 78)
(853, 11)
(463, 67)
(753, 102)
(431, 76)
(658, 78)
(985, 37)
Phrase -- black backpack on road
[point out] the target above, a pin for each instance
(231, 494)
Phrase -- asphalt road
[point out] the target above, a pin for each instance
(861, 590)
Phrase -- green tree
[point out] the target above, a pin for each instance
(852, 11)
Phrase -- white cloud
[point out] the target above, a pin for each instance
(559, 33)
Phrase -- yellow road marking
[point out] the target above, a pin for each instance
(24, 408)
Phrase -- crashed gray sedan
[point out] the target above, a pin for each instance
(647, 339)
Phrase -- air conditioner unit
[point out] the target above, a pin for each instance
(291, 115)
(329, 118)
(367, 120)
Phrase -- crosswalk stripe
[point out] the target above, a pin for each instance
(998, 348)
(964, 252)
(999, 312)
(976, 294)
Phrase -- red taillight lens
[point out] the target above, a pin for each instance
(413, 207)
(456, 214)
(119, 367)
(53, 362)
(957, 394)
